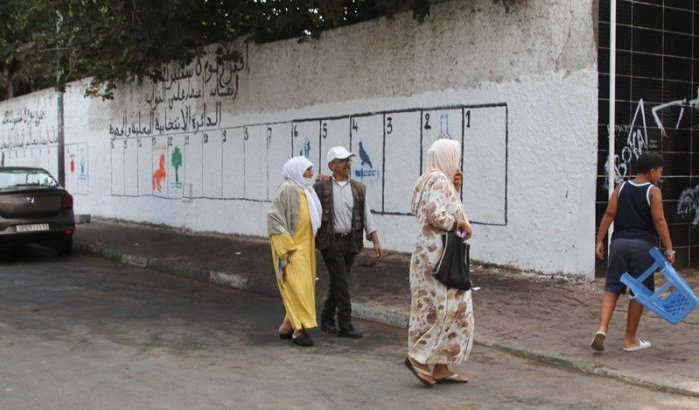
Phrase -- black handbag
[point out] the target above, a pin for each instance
(453, 268)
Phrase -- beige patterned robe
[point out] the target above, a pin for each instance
(441, 319)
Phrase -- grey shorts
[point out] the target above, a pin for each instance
(628, 256)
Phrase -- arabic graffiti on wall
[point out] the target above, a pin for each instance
(179, 101)
(28, 135)
(23, 116)
(26, 127)
(186, 119)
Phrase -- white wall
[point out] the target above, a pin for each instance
(519, 90)
(28, 132)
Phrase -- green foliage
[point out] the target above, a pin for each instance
(25, 34)
(46, 43)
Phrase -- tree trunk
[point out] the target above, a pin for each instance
(6, 89)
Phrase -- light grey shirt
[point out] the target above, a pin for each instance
(343, 203)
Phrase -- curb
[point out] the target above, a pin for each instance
(379, 314)
(586, 368)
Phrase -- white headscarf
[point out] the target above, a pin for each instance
(293, 170)
(444, 155)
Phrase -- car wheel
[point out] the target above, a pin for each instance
(64, 246)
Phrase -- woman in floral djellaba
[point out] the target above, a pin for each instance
(441, 319)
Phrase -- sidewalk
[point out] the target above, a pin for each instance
(544, 319)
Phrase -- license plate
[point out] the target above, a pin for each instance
(33, 228)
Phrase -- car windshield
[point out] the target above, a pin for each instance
(21, 178)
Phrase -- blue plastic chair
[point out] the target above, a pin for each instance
(672, 307)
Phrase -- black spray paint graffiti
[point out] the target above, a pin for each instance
(636, 143)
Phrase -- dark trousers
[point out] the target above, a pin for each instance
(338, 259)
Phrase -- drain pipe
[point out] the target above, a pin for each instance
(59, 120)
(612, 102)
(61, 141)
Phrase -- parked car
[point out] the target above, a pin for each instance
(34, 208)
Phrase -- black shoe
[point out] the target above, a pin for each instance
(303, 340)
(286, 336)
(350, 332)
(328, 327)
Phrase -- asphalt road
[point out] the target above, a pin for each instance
(84, 333)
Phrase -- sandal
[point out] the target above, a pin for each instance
(453, 378)
(642, 345)
(598, 341)
(423, 375)
(286, 335)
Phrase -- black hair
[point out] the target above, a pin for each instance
(648, 161)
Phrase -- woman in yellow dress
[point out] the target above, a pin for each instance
(292, 222)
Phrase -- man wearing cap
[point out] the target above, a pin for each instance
(346, 216)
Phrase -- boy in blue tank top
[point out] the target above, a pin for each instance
(636, 208)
